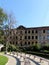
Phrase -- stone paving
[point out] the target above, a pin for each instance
(12, 61)
(25, 59)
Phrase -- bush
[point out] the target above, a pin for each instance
(12, 47)
(39, 54)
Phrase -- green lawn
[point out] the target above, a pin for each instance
(3, 60)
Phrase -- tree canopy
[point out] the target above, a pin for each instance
(3, 18)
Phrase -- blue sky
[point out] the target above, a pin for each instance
(30, 13)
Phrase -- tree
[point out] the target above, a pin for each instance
(11, 21)
(12, 47)
(5, 28)
(3, 18)
(36, 47)
(8, 27)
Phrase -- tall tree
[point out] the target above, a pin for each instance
(3, 18)
(11, 23)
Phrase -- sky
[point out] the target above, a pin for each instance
(29, 13)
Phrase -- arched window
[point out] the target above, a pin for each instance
(25, 43)
(28, 43)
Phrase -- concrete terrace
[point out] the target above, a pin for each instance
(25, 59)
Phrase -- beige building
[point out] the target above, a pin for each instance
(23, 36)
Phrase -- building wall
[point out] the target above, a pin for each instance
(27, 36)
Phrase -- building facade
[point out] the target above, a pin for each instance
(23, 36)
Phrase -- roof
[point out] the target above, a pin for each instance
(21, 27)
(38, 28)
(33, 28)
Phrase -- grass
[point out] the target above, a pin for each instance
(1, 52)
(3, 60)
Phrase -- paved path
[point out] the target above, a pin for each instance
(11, 60)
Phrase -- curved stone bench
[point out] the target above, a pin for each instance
(35, 60)
(12, 60)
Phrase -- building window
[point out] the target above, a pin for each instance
(36, 37)
(43, 31)
(36, 42)
(47, 31)
(28, 43)
(21, 43)
(20, 32)
(32, 37)
(43, 37)
(25, 43)
(20, 37)
(32, 31)
(13, 42)
(40, 37)
(25, 37)
(25, 32)
(16, 37)
(16, 43)
(28, 37)
(29, 31)
(36, 31)
(32, 42)
(48, 37)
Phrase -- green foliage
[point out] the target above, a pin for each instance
(36, 47)
(44, 55)
(12, 47)
(3, 18)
